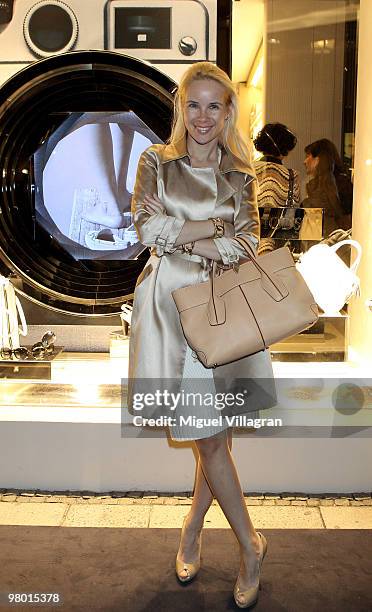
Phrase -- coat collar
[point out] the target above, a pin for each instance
(229, 163)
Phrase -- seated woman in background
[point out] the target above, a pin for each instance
(330, 186)
(275, 141)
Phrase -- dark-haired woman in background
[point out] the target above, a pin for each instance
(330, 186)
(275, 141)
(278, 185)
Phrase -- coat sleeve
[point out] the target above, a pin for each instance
(246, 223)
(154, 230)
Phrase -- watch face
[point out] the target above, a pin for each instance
(50, 28)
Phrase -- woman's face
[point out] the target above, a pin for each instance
(205, 110)
(311, 164)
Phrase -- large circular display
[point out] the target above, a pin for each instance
(72, 128)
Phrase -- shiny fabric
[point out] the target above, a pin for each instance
(157, 346)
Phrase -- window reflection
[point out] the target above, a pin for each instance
(295, 64)
(301, 72)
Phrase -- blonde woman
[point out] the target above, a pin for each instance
(192, 196)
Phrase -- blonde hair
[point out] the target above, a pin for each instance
(232, 138)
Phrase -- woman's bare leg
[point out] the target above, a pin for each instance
(220, 472)
(201, 502)
(203, 495)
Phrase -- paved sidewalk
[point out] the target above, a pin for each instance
(154, 510)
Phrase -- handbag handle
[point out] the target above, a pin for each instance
(277, 288)
(8, 320)
(216, 309)
(7, 286)
(289, 201)
(353, 243)
(282, 213)
(24, 330)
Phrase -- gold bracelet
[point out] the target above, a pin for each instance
(188, 247)
(219, 227)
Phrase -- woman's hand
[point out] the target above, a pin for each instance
(153, 205)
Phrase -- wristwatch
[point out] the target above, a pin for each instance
(219, 227)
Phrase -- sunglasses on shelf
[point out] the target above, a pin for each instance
(38, 351)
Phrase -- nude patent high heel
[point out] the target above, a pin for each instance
(248, 597)
(191, 568)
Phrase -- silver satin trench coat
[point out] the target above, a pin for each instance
(157, 344)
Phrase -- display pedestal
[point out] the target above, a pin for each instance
(323, 342)
(29, 369)
(65, 434)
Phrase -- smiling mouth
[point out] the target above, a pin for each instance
(203, 130)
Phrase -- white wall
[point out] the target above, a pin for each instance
(93, 456)
(360, 340)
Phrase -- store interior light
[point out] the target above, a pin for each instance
(324, 45)
(87, 393)
(258, 74)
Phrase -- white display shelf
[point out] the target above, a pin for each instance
(66, 434)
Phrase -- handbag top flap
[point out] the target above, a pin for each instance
(197, 295)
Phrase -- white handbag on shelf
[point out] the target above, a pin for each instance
(329, 279)
(10, 310)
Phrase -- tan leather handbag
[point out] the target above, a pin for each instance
(241, 312)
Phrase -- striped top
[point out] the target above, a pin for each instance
(273, 181)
